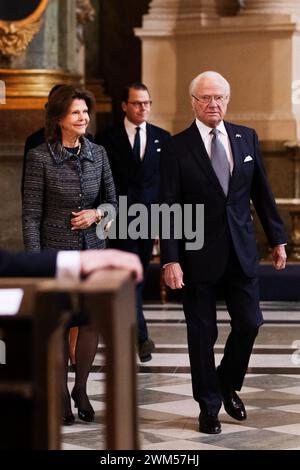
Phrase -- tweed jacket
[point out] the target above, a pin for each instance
(58, 183)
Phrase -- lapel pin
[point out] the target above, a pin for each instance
(156, 141)
(238, 136)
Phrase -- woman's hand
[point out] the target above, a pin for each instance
(83, 219)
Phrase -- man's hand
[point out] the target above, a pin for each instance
(173, 276)
(92, 260)
(279, 257)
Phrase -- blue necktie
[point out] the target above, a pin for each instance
(137, 145)
(219, 160)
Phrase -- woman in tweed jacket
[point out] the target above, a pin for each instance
(66, 179)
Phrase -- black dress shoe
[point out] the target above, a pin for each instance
(209, 423)
(233, 405)
(145, 350)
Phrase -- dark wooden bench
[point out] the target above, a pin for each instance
(30, 379)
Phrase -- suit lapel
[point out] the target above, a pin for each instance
(235, 139)
(199, 152)
(151, 144)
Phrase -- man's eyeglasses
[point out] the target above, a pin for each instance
(205, 99)
(139, 104)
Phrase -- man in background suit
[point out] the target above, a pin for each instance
(66, 264)
(133, 148)
(219, 165)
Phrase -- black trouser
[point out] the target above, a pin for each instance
(142, 248)
(242, 299)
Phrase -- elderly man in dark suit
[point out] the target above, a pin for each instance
(133, 148)
(219, 165)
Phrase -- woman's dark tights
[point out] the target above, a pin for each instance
(86, 348)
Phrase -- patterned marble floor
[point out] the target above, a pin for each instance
(168, 415)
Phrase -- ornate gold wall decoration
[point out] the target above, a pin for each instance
(14, 40)
(15, 35)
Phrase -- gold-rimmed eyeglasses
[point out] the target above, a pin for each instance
(140, 104)
(206, 99)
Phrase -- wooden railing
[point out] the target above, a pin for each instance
(30, 381)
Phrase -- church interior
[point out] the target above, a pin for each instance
(104, 45)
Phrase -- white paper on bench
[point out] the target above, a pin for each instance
(10, 301)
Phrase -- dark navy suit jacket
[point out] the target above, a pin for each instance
(187, 177)
(27, 264)
(138, 180)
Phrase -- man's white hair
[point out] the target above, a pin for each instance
(209, 74)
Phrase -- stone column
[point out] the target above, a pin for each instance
(50, 58)
(171, 13)
(269, 33)
(256, 50)
(254, 44)
(164, 28)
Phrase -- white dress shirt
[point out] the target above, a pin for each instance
(131, 132)
(223, 136)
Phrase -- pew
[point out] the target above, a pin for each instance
(30, 378)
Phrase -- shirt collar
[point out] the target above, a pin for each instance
(130, 127)
(205, 130)
(60, 154)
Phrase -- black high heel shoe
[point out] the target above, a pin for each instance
(82, 403)
(67, 415)
(68, 420)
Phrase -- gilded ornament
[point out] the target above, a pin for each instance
(14, 39)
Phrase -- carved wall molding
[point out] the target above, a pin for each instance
(29, 88)
(15, 35)
(85, 11)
